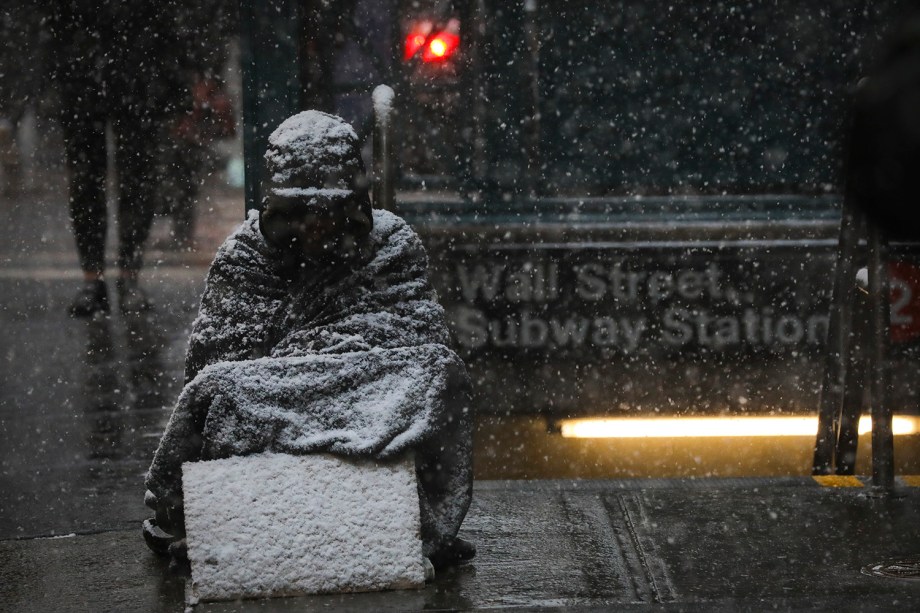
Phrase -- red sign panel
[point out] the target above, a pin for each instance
(905, 301)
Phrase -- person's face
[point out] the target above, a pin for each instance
(309, 230)
(311, 233)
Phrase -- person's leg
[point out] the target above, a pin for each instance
(135, 149)
(83, 125)
(189, 166)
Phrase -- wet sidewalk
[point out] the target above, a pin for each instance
(82, 405)
(713, 545)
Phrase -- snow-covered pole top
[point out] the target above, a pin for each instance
(384, 170)
(383, 104)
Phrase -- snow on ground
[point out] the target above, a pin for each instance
(275, 525)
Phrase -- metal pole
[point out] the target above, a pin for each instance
(882, 437)
(839, 342)
(384, 170)
(853, 405)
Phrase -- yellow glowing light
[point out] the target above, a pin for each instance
(688, 427)
(438, 47)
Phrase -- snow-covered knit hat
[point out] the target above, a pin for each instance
(315, 158)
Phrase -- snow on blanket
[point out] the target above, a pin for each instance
(357, 526)
(349, 359)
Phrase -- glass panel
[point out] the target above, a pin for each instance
(745, 97)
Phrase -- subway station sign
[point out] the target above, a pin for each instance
(584, 302)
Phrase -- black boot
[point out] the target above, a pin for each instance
(456, 552)
(157, 539)
(92, 298)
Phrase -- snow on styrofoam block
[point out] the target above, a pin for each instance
(280, 525)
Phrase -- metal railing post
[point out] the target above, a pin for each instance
(882, 436)
(839, 343)
(384, 167)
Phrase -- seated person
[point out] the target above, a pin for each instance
(318, 331)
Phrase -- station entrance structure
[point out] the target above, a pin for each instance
(612, 196)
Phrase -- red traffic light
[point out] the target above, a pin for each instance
(435, 46)
(440, 47)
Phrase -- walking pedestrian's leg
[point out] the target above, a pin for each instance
(83, 125)
(135, 147)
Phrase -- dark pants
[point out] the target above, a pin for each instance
(85, 114)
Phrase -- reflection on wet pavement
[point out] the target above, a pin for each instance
(124, 389)
(83, 404)
(112, 406)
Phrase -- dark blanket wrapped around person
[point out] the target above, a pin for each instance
(351, 359)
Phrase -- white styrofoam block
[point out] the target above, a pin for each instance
(281, 525)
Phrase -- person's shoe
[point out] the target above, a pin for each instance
(92, 298)
(131, 298)
(456, 552)
(157, 539)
